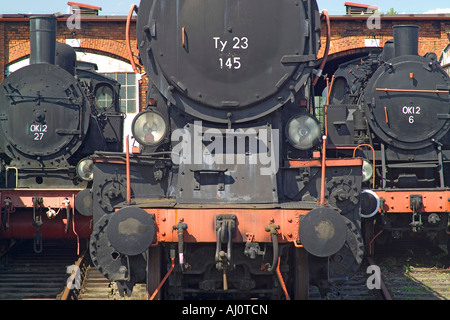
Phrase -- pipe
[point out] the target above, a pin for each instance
(276, 255)
(164, 280)
(327, 48)
(280, 278)
(128, 40)
(73, 225)
(411, 90)
(128, 170)
(371, 242)
(324, 144)
(323, 178)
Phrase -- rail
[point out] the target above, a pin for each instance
(80, 268)
(384, 290)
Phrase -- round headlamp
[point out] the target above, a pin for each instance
(104, 96)
(149, 128)
(85, 169)
(367, 171)
(303, 132)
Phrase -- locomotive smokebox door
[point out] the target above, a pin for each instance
(323, 232)
(409, 103)
(131, 231)
(217, 60)
(44, 115)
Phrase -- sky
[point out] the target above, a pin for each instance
(121, 7)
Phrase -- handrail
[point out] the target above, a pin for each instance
(327, 48)
(412, 90)
(128, 40)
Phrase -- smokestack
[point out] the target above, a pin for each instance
(406, 40)
(43, 39)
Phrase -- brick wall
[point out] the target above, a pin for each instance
(106, 35)
(2, 50)
(350, 33)
(103, 36)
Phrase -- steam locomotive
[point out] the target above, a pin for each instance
(54, 114)
(393, 107)
(231, 193)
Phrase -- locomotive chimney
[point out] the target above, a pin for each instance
(406, 40)
(43, 39)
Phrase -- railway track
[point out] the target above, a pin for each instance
(96, 287)
(419, 274)
(26, 275)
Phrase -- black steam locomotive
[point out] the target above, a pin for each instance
(393, 108)
(54, 114)
(230, 194)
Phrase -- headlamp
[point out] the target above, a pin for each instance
(85, 169)
(104, 96)
(367, 171)
(149, 128)
(303, 132)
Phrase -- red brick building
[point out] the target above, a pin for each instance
(351, 33)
